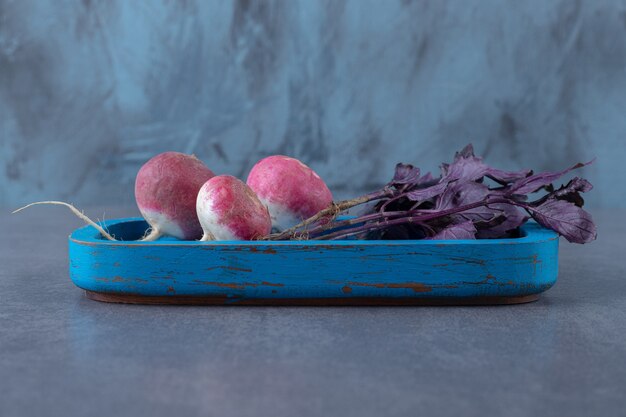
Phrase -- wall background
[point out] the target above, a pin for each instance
(89, 90)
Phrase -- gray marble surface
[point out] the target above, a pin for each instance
(90, 90)
(64, 355)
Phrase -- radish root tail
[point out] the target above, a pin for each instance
(74, 210)
(152, 234)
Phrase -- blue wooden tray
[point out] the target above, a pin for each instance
(349, 272)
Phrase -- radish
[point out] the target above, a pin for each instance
(291, 190)
(166, 188)
(229, 210)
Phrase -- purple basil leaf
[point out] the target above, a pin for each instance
(535, 182)
(468, 168)
(497, 219)
(466, 152)
(405, 174)
(493, 220)
(464, 230)
(506, 177)
(427, 180)
(470, 192)
(579, 184)
(479, 214)
(574, 198)
(444, 169)
(514, 218)
(422, 194)
(567, 219)
(447, 199)
(487, 214)
(576, 184)
(462, 193)
(401, 232)
(570, 192)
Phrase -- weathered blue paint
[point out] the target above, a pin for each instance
(240, 271)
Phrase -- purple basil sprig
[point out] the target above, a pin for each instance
(459, 204)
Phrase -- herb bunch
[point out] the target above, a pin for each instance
(469, 200)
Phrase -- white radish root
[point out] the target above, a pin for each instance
(151, 235)
(74, 210)
(207, 236)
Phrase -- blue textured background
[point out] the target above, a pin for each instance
(90, 90)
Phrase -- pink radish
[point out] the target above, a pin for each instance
(229, 210)
(291, 190)
(166, 188)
